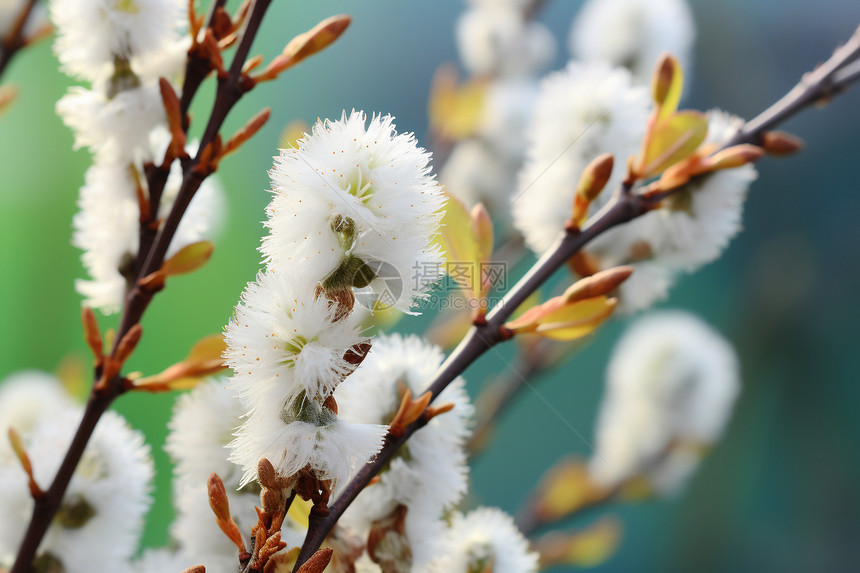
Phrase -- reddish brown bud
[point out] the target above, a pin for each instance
(221, 508)
(128, 343)
(318, 561)
(781, 143)
(601, 283)
(91, 333)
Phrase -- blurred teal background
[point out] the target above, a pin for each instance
(780, 492)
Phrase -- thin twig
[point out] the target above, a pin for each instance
(230, 89)
(623, 207)
(15, 40)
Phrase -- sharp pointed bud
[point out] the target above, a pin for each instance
(661, 80)
(483, 229)
(127, 344)
(318, 561)
(174, 116)
(194, 21)
(221, 508)
(218, 497)
(666, 85)
(266, 474)
(251, 127)
(221, 24)
(21, 453)
(304, 45)
(602, 283)
(398, 425)
(591, 183)
(417, 407)
(92, 336)
(252, 64)
(781, 143)
(317, 38)
(434, 411)
(595, 176)
(735, 156)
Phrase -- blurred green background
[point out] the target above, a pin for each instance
(780, 492)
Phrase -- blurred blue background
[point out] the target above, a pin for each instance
(780, 492)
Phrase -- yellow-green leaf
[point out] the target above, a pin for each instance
(564, 489)
(576, 320)
(585, 548)
(667, 83)
(560, 319)
(482, 226)
(458, 242)
(674, 139)
(207, 349)
(455, 110)
(188, 259)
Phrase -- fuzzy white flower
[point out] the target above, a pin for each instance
(106, 228)
(201, 427)
(485, 539)
(475, 173)
(429, 474)
(507, 114)
(365, 565)
(706, 215)
(100, 520)
(500, 42)
(633, 33)
(25, 398)
(168, 61)
(356, 203)
(671, 385)
(582, 111)
(284, 340)
(692, 228)
(483, 169)
(92, 34)
(304, 433)
(115, 127)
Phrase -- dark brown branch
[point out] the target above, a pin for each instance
(197, 67)
(230, 89)
(815, 86)
(46, 506)
(623, 207)
(15, 40)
